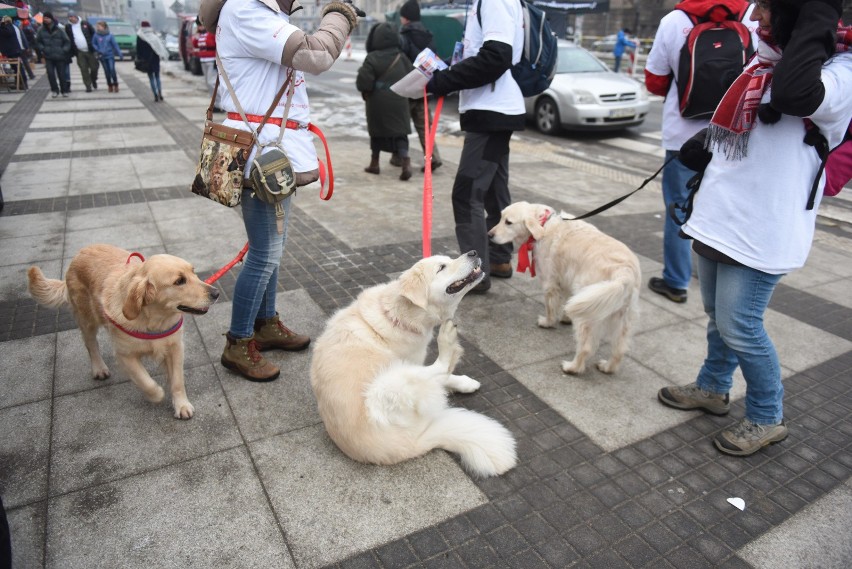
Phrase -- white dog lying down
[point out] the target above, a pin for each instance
(600, 274)
(379, 402)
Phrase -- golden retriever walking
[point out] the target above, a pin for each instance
(596, 274)
(140, 303)
(379, 402)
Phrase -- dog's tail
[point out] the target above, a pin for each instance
(599, 300)
(49, 292)
(485, 446)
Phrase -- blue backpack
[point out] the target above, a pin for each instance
(535, 71)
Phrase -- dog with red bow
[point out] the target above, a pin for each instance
(140, 302)
(589, 278)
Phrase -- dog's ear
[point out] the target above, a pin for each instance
(140, 292)
(534, 227)
(414, 288)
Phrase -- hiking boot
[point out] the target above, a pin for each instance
(500, 270)
(270, 333)
(242, 356)
(659, 286)
(693, 397)
(745, 437)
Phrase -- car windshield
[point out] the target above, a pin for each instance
(576, 60)
(121, 30)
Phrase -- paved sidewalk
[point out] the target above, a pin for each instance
(92, 475)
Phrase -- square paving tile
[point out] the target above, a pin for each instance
(131, 435)
(326, 521)
(209, 512)
(24, 446)
(27, 371)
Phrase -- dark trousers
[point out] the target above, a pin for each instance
(56, 75)
(88, 64)
(480, 192)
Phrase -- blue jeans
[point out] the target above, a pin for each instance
(109, 70)
(154, 79)
(677, 253)
(254, 293)
(617, 64)
(735, 298)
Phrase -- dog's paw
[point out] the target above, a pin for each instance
(462, 383)
(184, 410)
(543, 322)
(572, 368)
(606, 366)
(100, 373)
(155, 394)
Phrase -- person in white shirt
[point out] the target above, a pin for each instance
(257, 47)
(751, 223)
(80, 32)
(661, 78)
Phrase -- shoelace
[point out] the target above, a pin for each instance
(253, 352)
(284, 330)
(746, 427)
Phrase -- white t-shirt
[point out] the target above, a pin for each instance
(250, 38)
(754, 210)
(664, 58)
(79, 38)
(501, 21)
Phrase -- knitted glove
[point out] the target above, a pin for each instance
(349, 11)
(693, 155)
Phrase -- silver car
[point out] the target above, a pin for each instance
(587, 95)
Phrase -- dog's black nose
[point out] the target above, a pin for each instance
(471, 253)
(214, 293)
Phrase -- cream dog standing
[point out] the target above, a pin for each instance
(379, 402)
(140, 303)
(600, 274)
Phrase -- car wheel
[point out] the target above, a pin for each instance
(547, 116)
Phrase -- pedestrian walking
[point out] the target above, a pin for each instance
(150, 49)
(751, 223)
(26, 48)
(81, 32)
(388, 118)
(106, 48)
(621, 45)
(491, 107)
(56, 49)
(259, 48)
(415, 38)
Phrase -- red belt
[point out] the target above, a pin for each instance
(293, 125)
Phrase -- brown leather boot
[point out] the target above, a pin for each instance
(115, 88)
(242, 356)
(373, 168)
(406, 168)
(109, 87)
(270, 334)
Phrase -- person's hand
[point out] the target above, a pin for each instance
(768, 114)
(358, 11)
(349, 11)
(693, 155)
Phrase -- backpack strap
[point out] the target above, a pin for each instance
(813, 137)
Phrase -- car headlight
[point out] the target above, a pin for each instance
(584, 98)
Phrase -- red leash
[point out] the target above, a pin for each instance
(218, 275)
(427, 172)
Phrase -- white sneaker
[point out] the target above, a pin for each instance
(54, 95)
(65, 95)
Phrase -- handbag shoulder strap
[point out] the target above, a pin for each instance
(237, 103)
(395, 59)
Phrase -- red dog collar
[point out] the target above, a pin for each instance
(146, 335)
(525, 258)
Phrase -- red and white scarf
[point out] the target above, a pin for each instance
(736, 115)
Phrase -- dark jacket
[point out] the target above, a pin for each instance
(88, 32)
(415, 38)
(145, 52)
(9, 45)
(385, 64)
(54, 43)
